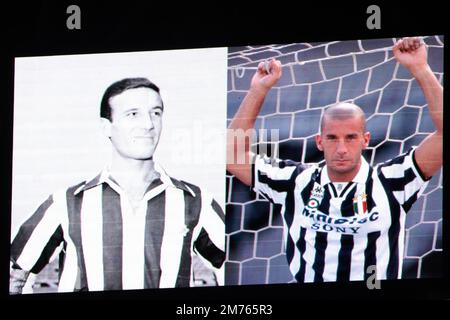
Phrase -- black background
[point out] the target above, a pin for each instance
(39, 28)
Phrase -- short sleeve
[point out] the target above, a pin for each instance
(273, 177)
(404, 178)
(209, 243)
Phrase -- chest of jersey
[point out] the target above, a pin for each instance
(340, 208)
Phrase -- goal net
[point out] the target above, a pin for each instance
(317, 75)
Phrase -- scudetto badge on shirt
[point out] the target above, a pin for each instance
(360, 204)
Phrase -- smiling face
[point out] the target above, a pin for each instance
(342, 141)
(136, 123)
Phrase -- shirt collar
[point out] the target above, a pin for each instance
(105, 177)
(360, 177)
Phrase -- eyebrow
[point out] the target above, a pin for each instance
(350, 135)
(138, 109)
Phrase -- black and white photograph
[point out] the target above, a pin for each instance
(118, 171)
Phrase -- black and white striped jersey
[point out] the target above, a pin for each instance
(335, 231)
(108, 245)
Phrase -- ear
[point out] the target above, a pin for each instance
(106, 127)
(366, 139)
(319, 142)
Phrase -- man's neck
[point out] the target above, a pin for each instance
(133, 174)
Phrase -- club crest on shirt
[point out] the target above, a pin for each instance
(316, 196)
(360, 204)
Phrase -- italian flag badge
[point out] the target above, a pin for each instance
(360, 204)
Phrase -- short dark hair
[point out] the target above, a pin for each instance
(343, 111)
(120, 86)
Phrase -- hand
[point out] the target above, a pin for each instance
(411, 53)
(263, 80)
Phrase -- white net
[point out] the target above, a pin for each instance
(316, 75)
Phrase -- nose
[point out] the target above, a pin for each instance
(147, 122)
(341, 148)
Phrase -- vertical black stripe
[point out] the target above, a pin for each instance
(217, 209)
(193, 207)
(370, 253)
(154, 230)
(61, 260)
(369, 188)
(347, 205)
(27, 228)
(319, 260)
(345, 258)
(74, 211)
(306, 192)
(53, 243)
(333, 189)
(301, 246)
(208, 249)
(394, 229)
(324, 205)
(112, 239)
(205, 246)
(289, 211)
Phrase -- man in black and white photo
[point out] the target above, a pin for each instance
(132, 226)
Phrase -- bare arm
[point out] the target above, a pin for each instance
(413, 55)
(239, 130)
(17, 280)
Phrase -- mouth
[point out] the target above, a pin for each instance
(341, 161)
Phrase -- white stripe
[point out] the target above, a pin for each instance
(401, 242)
(416, 185)
(273, 173)
(413, 186)
(333, 242)
(172, 242)
(69, 275)
(310, 253)
(41, 234)
(92, 237)
(383, 224)
(133, 248)
(212, 223)
(357, 259)
(394, 171)
(331, 256)
(294, 231)
(70, 271)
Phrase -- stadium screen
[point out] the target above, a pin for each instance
(147, 198)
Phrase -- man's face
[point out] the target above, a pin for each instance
(136, 123)
(342, 142)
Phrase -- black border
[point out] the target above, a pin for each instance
(39, 28)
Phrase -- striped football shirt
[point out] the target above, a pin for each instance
(106, 245)
(335, 231)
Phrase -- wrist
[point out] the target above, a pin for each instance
(259, 90)
(418, 70)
